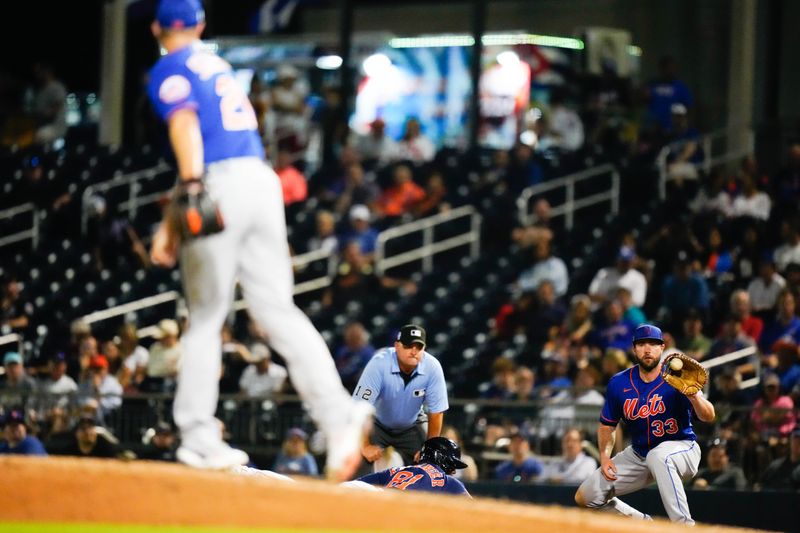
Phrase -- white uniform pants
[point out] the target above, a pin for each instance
(252, 249)
(668, 464)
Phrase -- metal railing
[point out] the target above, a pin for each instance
(748, 352)
(730, 152)
(134, 201)
(31, 233)
(429, 248)
(571, 204)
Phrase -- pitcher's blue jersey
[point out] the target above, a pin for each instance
(201, 80)
(654, 412)
(424, 476)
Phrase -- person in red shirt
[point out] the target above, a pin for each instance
(293, 182)
(752, 326)
(402, 196)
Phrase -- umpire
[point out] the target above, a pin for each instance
(397, 381)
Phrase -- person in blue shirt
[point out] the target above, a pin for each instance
(522, 467)
(663, 444)
(353, 355)
(294, 458)
(398, 381)
(213, 132)
(665, 91)
(16, 438)
(439, 459)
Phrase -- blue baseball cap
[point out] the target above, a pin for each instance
(648, 332)
(12, 357)
(179, 14)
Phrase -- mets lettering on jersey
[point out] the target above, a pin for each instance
(654, 412)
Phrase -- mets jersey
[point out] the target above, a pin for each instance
(424, 476)
(655, 412)
(198, 79)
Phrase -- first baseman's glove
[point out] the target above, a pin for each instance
(194, 212)
(689, 379)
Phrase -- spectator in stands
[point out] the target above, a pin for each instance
(361, 231)
(685, 152)
(784, 473)
(16, 385)
(683, 290)
(554, 374)
(263, 377)
(665, 91)
(165, 358)
(49, 105)
(783, 361)
(524, 170)
(547, 315)
(353, 355)
(134, 357)
(236, 357)
(773, 413)
(435, 196)
(693, 342)
(15, 312)
(294, 459)
(90, 440)
(713, 200)
(751, 203)
(403, 196)
(564, 130)
(514, 316)
(731, 338)
(789, 251)
(578, 323)
(502, 385)
(546, 267)
(356, 280)
(470, 473)
(289, 105)
(719, 473)
(293, 182)
(358, 188)
(110, 349)
(614, 331)
(414, 146)
(101, 385)
(752, 326)
(57, 384)
(783, 325)
(16, 439)
(86, 350)
(377, 148)
(112, 238)
(632, 314)
(717, 259)
(607, 280)
(522, 467)
(613, 362)
(524, 384)
(325, 238)
(574, 466)
(765, 288)
(161, 444)
(729, 398)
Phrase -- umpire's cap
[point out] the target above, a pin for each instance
(442, 452)
(648, 332)
(410, 334)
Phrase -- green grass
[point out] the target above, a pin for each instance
(42, 527)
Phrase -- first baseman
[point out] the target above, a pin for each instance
(664, 446)
(214, 133)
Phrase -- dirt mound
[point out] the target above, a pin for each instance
(142, 492)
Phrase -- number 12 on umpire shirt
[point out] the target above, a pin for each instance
(397, 400)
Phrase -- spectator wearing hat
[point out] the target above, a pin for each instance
(522, 467)
(784, 473)
(361, 231)
(406, 385)
(162, 441)
(719, 473)
(90, 440)
(607, 280)
(101, 385)
(165, 357)
(773, 413)
(16, 440)
(784, 324)
(294, 458)
(353, 355)
(57, 385)
(16, 385)
(765, 288)
(263, 377)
